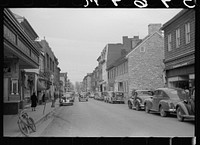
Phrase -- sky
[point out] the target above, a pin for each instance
(78, 35)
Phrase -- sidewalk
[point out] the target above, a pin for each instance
(10, 126)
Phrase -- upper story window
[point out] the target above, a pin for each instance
(169, 42)
(187, 33)
(178, 37)
(142, 49)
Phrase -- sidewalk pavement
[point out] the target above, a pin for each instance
(10, 126)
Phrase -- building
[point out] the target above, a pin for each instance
(20, 52)
(118, 70)
(179, 43)
(63, 83)
(109, 54)
(145, 61)
(87, 82)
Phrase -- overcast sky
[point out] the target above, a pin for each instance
(77, 36)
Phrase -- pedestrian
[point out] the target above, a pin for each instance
(43, 97)
(34, 101)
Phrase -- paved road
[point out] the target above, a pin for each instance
(96, 118)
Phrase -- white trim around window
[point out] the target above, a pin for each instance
(178, 37)
(187, 33)
(169, 42)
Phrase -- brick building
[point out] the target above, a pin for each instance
(179, 43)
(145, 61)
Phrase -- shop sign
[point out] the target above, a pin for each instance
(9, 35)
(179, 65)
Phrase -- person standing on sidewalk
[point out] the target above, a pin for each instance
(34, 101)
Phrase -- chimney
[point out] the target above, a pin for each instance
(135, 41)
(152, 28)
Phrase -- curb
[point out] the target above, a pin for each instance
(46, 116)
(41, 119)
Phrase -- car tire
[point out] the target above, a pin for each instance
(147, 110)
(179, 113)
(163, 113)
(137, 106)
(129, 105)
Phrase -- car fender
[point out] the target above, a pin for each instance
(183, 107)
(148, 102)
(164, 104)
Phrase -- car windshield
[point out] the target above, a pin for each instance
(142, 93)
(119, 93)
(176, 94)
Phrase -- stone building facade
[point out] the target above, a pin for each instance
(145, 61)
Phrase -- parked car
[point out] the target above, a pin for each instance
(186, 108)
(164, 100)
(105, 96)
(70, 96)
(91, 95)
(83, 97)
(137, 102)
(66, 100)
(116, 97)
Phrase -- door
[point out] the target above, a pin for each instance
(156, 99)
(6, 89)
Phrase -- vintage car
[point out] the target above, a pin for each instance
(91, 95)
(116, 97)
(83, 97)
(66, 100)
(186, 108)
(137, 102)
(98, 96)
(164, 100)
(105, 96)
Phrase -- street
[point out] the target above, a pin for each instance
(96, 118)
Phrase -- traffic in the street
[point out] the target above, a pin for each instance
(94, 118)
(99, 72)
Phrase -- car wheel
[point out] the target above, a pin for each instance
(129, 105)
(147, 109)
(137, 105)
(163, 113)
(179, 113)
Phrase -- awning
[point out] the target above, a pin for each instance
(40, 86)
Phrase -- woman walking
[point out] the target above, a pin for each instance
(34, 101)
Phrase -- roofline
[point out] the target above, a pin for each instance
(182, 12)
(142, 43)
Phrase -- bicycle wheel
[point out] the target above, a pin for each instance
(32, 124)
(23, 128)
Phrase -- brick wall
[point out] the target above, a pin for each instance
(146, 68)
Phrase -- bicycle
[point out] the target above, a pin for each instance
(25, 123)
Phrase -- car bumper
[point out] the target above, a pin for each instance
(189, 116)
(66, 104)
(172, 110)
(83, 99)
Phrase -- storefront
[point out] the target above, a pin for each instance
(181, 76)
(19, 54)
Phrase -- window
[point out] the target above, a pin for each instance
(169, 42)
(187, 33)
(177, 38)
(142, 49)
